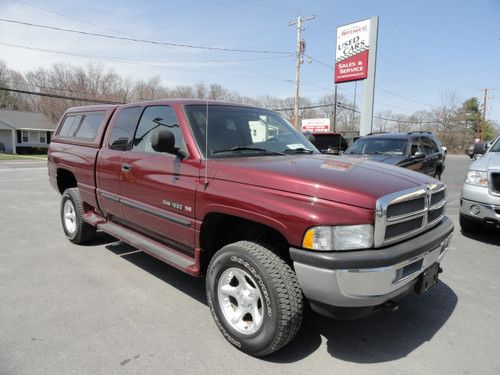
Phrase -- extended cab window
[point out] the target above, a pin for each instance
(157, 117)
(123, 130)
(83, 126)
(70, 125)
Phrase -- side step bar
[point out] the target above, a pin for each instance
(149, 246)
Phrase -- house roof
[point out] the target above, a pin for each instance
(20, 120)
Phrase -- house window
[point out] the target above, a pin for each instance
(33, 136)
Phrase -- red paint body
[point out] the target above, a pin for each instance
(288, 193)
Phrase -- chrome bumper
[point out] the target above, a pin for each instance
(362, 287)
(481, 211)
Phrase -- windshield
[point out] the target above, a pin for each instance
(389, 146)
(240, 131)
(496, 146)
(330, 141)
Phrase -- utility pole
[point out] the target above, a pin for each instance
(298, 61)
(335, 109)
(483, 121)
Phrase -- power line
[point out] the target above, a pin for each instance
(340, 105)
(141, 62)
(146, 41)
(66, 16)
(87, 100)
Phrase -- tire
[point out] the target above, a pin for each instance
(247, 267)
(470, 225)
(437, 173)
(75, 228)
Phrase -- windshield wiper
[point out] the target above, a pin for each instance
(382, 153)
(245, 148)
(300, 150)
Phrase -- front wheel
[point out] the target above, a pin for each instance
(254, 298)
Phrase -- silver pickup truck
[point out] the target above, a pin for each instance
(480, 198)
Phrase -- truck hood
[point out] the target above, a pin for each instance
(491, 160)
(386, 159)
(351, 181)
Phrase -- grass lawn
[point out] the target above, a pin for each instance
(22, 157)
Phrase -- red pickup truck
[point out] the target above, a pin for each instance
(233, 193)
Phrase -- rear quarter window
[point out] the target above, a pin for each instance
(82, 126)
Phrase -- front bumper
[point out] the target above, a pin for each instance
(487, 202)
(363, 278)
(486, 212)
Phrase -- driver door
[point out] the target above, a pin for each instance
(158, 188)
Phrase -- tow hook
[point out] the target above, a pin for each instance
(389, 306)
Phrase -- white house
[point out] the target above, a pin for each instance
(21, 132)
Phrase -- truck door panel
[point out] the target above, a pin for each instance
(110, 159)
(158, 189)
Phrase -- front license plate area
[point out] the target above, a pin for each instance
(427, 279)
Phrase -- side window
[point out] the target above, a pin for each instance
(70, 125)
(123, 130)
(90, 125)
(433, 145)
(153, 118)
(415, 146)
(426, 145)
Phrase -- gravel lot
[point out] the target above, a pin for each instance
(107, 308)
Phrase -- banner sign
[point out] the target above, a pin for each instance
(316, 125)
(351, 56)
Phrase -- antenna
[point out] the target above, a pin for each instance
(206, 142)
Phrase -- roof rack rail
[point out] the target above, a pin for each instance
(373, 133)
(420, 132)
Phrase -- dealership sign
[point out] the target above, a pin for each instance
(316, 125)
(351, 56)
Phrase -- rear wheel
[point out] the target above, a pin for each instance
(469, 225)
(254, 298)
(75, 228)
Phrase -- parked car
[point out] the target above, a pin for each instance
(328, 142)
(418, 151)
(234, 194)
(480, 197)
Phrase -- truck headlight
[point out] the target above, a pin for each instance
(342, 237)
(478, 178)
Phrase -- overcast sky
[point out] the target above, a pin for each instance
(426, 47)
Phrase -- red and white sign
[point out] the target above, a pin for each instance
(316, 125)
(351, 56)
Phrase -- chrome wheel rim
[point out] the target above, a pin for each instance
(69, 216)
(240, 300)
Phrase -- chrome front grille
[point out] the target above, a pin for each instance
(404, 214)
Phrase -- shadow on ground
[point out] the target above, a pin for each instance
(488, 235)
(380, 338)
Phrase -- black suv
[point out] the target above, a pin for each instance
(418, 151)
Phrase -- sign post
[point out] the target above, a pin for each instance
(355, 59)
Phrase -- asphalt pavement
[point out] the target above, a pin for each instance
(107, 308)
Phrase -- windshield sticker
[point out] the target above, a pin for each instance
(340, 166)
(295, 146)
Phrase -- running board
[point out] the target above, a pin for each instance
(149, 246)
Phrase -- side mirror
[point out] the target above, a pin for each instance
(480, 148)
(418, 155)
(163, 140)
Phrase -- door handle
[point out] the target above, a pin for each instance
(126, 168)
